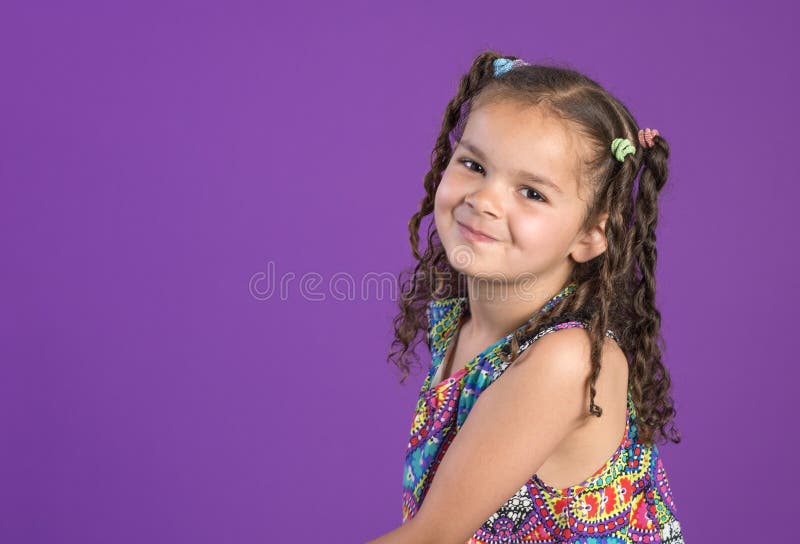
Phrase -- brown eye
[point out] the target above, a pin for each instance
(541, 198)
(465, 161)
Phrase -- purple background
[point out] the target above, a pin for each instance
(155, 157)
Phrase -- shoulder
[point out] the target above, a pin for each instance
(561, 355)
(551, 378)
(558, 360)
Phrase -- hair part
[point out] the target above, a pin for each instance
(616, 289)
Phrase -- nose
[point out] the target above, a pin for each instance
(486, 200)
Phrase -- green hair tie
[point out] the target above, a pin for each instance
(621, 147)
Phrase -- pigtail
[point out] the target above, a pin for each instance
(607, 280)
(646, 322)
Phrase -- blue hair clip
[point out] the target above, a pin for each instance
(503, 65)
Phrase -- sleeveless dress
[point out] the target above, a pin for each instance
(628, 499)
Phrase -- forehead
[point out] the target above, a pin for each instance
(525, 137)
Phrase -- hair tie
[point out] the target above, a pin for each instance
(503, 65)
(622, 147)
(646, 137)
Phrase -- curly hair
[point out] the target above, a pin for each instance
(614, 290)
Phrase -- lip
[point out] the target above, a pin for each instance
(474, 235)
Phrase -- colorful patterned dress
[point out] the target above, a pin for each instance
(628, 499)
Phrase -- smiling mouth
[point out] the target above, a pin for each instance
(472, 235)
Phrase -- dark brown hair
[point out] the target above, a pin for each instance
(615, 290)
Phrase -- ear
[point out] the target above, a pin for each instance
(591, 243)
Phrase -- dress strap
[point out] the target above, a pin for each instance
(547, 329)
(569, 324)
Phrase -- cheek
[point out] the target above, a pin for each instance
(528, 233)
(440, 206)
(537, 231)
(448, 195)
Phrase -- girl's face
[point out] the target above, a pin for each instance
(514, 176)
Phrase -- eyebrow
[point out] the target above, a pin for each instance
(535, 178)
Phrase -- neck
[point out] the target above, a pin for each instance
(497, 309)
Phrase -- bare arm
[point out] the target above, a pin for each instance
(512, 429)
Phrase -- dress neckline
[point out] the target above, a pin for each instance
(458, 307)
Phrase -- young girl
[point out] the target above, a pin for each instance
(537, 292)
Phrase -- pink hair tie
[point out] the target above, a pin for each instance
(646, 137)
